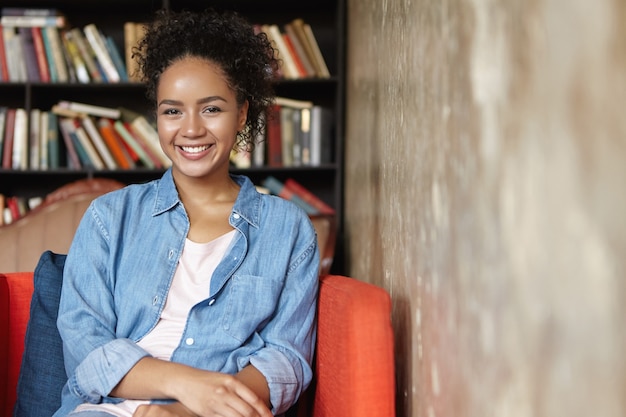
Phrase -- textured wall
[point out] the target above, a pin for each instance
(486, 190)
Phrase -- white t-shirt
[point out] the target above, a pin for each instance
(191, 285)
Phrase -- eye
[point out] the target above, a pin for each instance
(171, 111)
(211, 109)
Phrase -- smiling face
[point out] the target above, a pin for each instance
(197, 118)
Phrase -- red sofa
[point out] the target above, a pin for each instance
(354, 365)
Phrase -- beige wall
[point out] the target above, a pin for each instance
(486, 190)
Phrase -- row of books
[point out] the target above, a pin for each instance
(37, 45)
(15, 207)
(78, 135)
(297, 193)
(298, 49)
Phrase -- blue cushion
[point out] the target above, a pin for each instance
(42, 375)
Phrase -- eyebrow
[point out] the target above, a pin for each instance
(203, 100)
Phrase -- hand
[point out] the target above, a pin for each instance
(163, 410)
(210, 394)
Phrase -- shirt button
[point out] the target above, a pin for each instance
(189, 341)
(212, 301)
(236, 216)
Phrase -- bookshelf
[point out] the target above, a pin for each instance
(326, 18)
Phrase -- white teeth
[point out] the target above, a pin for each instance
(194, 149)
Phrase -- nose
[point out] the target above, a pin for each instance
(193, 126)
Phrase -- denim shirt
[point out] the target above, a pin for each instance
(260, 308)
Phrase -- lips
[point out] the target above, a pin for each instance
(195, 149)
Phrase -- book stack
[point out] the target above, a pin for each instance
(298, 194)
(298, 50)
(13, 208)
(76, 136)
(38, 45)
(298, 133)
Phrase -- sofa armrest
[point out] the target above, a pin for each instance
(16, 291)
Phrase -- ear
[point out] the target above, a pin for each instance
(243, 115)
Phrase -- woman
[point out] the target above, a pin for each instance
(193, 295)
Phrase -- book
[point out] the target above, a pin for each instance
(7, 149)
(49, 53)
(53, 141)
(34, 139)
(278, 188)
(43, 140)
(304, 133)
(54, 43)
(305, 194)
(300, 50)
(75, 63)
(4, 69)
(321, 135)
(306, 37)
(289, 68)
(273, 137)
(117, 58)
(32, 21)
(98, 45)
(40, 52)
(114, 143)
(89, 125)
(133, 33)
(287, 135)
(3, 118)
(25, 35)
(87, 145)
(66, 126)
(142, 128)
(76, 36)
(291, 102)
(132, 143)
(20, 140)
(90, 109)
(302, 70)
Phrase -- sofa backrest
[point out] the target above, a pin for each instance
(50, 226)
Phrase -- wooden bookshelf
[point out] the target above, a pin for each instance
(326, 18)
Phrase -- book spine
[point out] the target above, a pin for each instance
(75, 58)
(114, 143)
(40, 51)
(91, 109)
(92, 131)
(66, 127)
(132, 143)
(30, 55)
(53, 141)
(94, 38)
(86, 53)
(305, 194)
(9, 129)
(117, 58)
(87, 144)
(278, 188)
(32, 21)
(20, 140)
(4, 68)
(58, 54)
(34, 139)
(43, 140)
(49, 53)
(273, 136)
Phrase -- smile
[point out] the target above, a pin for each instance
(195, 149)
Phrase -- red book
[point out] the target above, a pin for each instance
(308, 196)
(115, 144)
(274, 137)
(7, 151)
(40, 50)
(4, 68)
(296, 57)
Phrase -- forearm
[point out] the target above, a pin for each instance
(255, 380)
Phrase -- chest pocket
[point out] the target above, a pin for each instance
(250, 303)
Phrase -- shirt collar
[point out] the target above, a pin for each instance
(247, 205)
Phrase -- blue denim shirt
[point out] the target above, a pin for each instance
(260, 308)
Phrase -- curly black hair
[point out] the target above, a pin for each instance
(224, 38)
